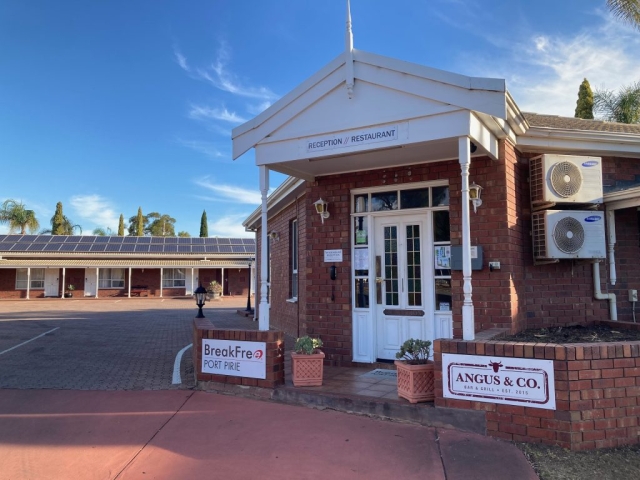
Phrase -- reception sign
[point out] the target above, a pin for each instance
(506, 380)
(235, 358)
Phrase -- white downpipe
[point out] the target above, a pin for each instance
(611, 239)
(613, 309)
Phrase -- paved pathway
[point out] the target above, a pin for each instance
(183, 434)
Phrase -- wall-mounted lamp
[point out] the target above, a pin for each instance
(274, 236)
(321, 209)
(473, 147)
(475, 191)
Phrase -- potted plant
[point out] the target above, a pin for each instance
(215, 289)
(307, 362)
(415, 371)
(69, 292)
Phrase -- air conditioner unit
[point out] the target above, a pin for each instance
(568, 234)
(565, 179)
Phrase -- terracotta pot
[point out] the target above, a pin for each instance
(415, 382)
(307, 369)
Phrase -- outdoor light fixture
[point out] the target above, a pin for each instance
(201, 295)
(249, 309)
(321, 209)
(475, 191)
(275, 236)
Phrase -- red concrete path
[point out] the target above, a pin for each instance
(49, 434)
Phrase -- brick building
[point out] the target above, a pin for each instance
(395, 153)
(38, 266)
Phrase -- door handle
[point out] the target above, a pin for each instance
(380, 280)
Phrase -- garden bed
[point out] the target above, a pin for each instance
(576, 334)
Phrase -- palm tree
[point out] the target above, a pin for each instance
(621, 107)
(18, 217)
(102, 232)
(626, 10)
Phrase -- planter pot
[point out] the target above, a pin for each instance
(307, 369)
(68, 295)
(416, 382)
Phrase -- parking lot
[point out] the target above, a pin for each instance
(103, 344)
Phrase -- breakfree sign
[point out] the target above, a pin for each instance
(351, 139)
(234, 358)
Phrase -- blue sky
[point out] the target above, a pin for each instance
(108, 106)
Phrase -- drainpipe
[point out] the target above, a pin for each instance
(613, 310)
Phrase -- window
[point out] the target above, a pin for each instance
(173, 278)
(293, 238)
(37, 279)
(111, 278)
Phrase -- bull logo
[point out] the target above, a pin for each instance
(495, 365)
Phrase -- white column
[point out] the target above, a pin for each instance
(611, 238)
(222, 282)
(192, 284)
(161, 280)
(468, 322)
(263, 319)
(28, 281)
(97, 280)
(64, 276)
(129, 292)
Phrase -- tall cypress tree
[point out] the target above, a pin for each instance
(121, 226)
(204, 226)
(140, 223)
(57, 222)
(584, 105)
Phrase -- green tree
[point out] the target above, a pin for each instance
(184, 234)
(121, 226)
(137, 224)
(204, 226)
(160, 225)
(626, 10)
(584, 105)
(61, 224)
(102, 232)
(18, 217)
(621, 107)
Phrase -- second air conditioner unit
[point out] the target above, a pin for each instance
(565, 179)
(559, 234)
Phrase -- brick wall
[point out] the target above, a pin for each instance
(203, 328)
(597, 393)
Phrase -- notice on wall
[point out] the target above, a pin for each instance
(361, 259)
(234, 358)
(332, 256)
(443, 257)
(506, 380)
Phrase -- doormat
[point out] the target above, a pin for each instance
(382, 373)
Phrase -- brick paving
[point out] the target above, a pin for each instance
(103, 344)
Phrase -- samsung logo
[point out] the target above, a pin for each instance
(593, 218)
(590, 163)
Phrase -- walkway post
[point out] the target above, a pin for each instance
(468, 322)
(263, 318)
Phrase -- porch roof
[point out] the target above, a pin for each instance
(120, 263)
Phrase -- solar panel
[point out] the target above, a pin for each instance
(116, 240)
(13, 238)
(6, 246)
(170, 248)
(20, 247)
(113, 247)
(57, 239)
(42, 239)
(184, 248)
(212, 248)
(98, 247)
(88, 239)
(235, 241)
(68, 247)
(170, 240)
(144, 240)
(210, 241)
(28, 238)
(197, 240)
(83, 247)
(36, 247)
(72, 239)
(184, 240)
(127, 248)
(103, 239)
(156, 248)
(157, 240)
(248, 241)
(225, 249)
(197, 249)
(141, 248)
(52, 247)
(2, 237)
(238, 249)
(130, 239)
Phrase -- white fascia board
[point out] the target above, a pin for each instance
(541, 139)
(280, 198)
(483, 136)
(247, 135)
(455, 79)
(418, 130)
(486, 101)
(622, 199)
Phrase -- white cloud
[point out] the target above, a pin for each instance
(207, 148)
(205, 113)
(229, 226)
(230, 193)
(95, 209)
(544, 71)
(180, 59)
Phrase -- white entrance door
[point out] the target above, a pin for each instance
(51, 285)
(403, 310)
(90, 282)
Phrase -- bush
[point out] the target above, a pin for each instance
(414, 351)
(307, 345)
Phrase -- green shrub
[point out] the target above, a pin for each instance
(307, 345)
(414, 351)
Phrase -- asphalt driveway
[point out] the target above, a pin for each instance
(101, 344)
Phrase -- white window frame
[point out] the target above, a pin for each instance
(37, 279)
(107, 279)
(293, 260)
(171, 280)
